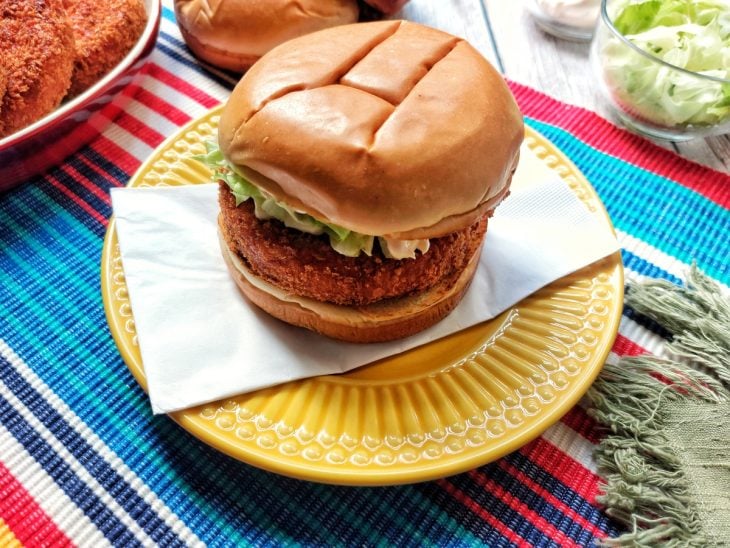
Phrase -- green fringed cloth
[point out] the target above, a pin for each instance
(666, 458)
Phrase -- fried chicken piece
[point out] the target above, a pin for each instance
(306, 265)
(104, 32)
(37, 56)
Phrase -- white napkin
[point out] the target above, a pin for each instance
(201, 341)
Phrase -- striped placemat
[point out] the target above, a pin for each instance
(83, 461)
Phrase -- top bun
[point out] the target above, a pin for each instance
(388, 128)
(233, 34)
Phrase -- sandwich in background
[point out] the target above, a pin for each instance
(234, 34)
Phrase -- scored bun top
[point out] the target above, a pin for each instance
(233, 34)
(388, 128)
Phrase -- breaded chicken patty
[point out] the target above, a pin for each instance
(306, 265)
(104, 32)
(36, 53)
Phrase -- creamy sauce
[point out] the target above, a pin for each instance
(403, 249)
(575, 13)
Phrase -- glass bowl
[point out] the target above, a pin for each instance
(568, 19)
(651, 95)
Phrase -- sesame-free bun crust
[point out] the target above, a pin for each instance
(387, 128)
(233, 34)
(378, 322)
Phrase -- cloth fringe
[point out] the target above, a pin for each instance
(645, 488)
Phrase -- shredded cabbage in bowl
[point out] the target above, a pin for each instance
(693, 35)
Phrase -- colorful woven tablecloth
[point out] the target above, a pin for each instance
(83, 461)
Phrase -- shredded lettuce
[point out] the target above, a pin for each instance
(342, 240)
(690, 34)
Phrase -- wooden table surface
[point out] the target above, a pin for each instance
(506, 34)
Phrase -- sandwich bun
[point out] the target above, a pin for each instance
(390, 130)
(234, 34)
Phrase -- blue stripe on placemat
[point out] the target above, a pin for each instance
(81, 495)
(519, 523)
(60, 229)
(57, 199)
(100, 469)
(101, 180)
(540, 506)
(645, 268)
(668, 216)
(168, 14)
(486, 534)
(561, 491)
(646, 322)
(105, 164)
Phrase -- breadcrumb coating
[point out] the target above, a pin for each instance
(306, 265)
(104, 32)
(37, 48)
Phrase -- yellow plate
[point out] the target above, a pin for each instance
(437, 410)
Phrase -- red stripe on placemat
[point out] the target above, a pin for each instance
(135, 127)
(76, 199)
(626, 347)
(578, 420)
(28, 522)
(113, 181)
(487, 516)
(140, 130)
(86, 183)
(563, 468)
(182, 86)
(539, 522)
(116, 154)
(158, 104)
(606, 137)
(551, 499)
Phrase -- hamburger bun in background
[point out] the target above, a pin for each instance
(358, 168)
(234, 34)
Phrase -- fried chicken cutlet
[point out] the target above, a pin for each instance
(37, 58)
(104, 32)
(307, 265)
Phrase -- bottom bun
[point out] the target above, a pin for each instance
(378, 322)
